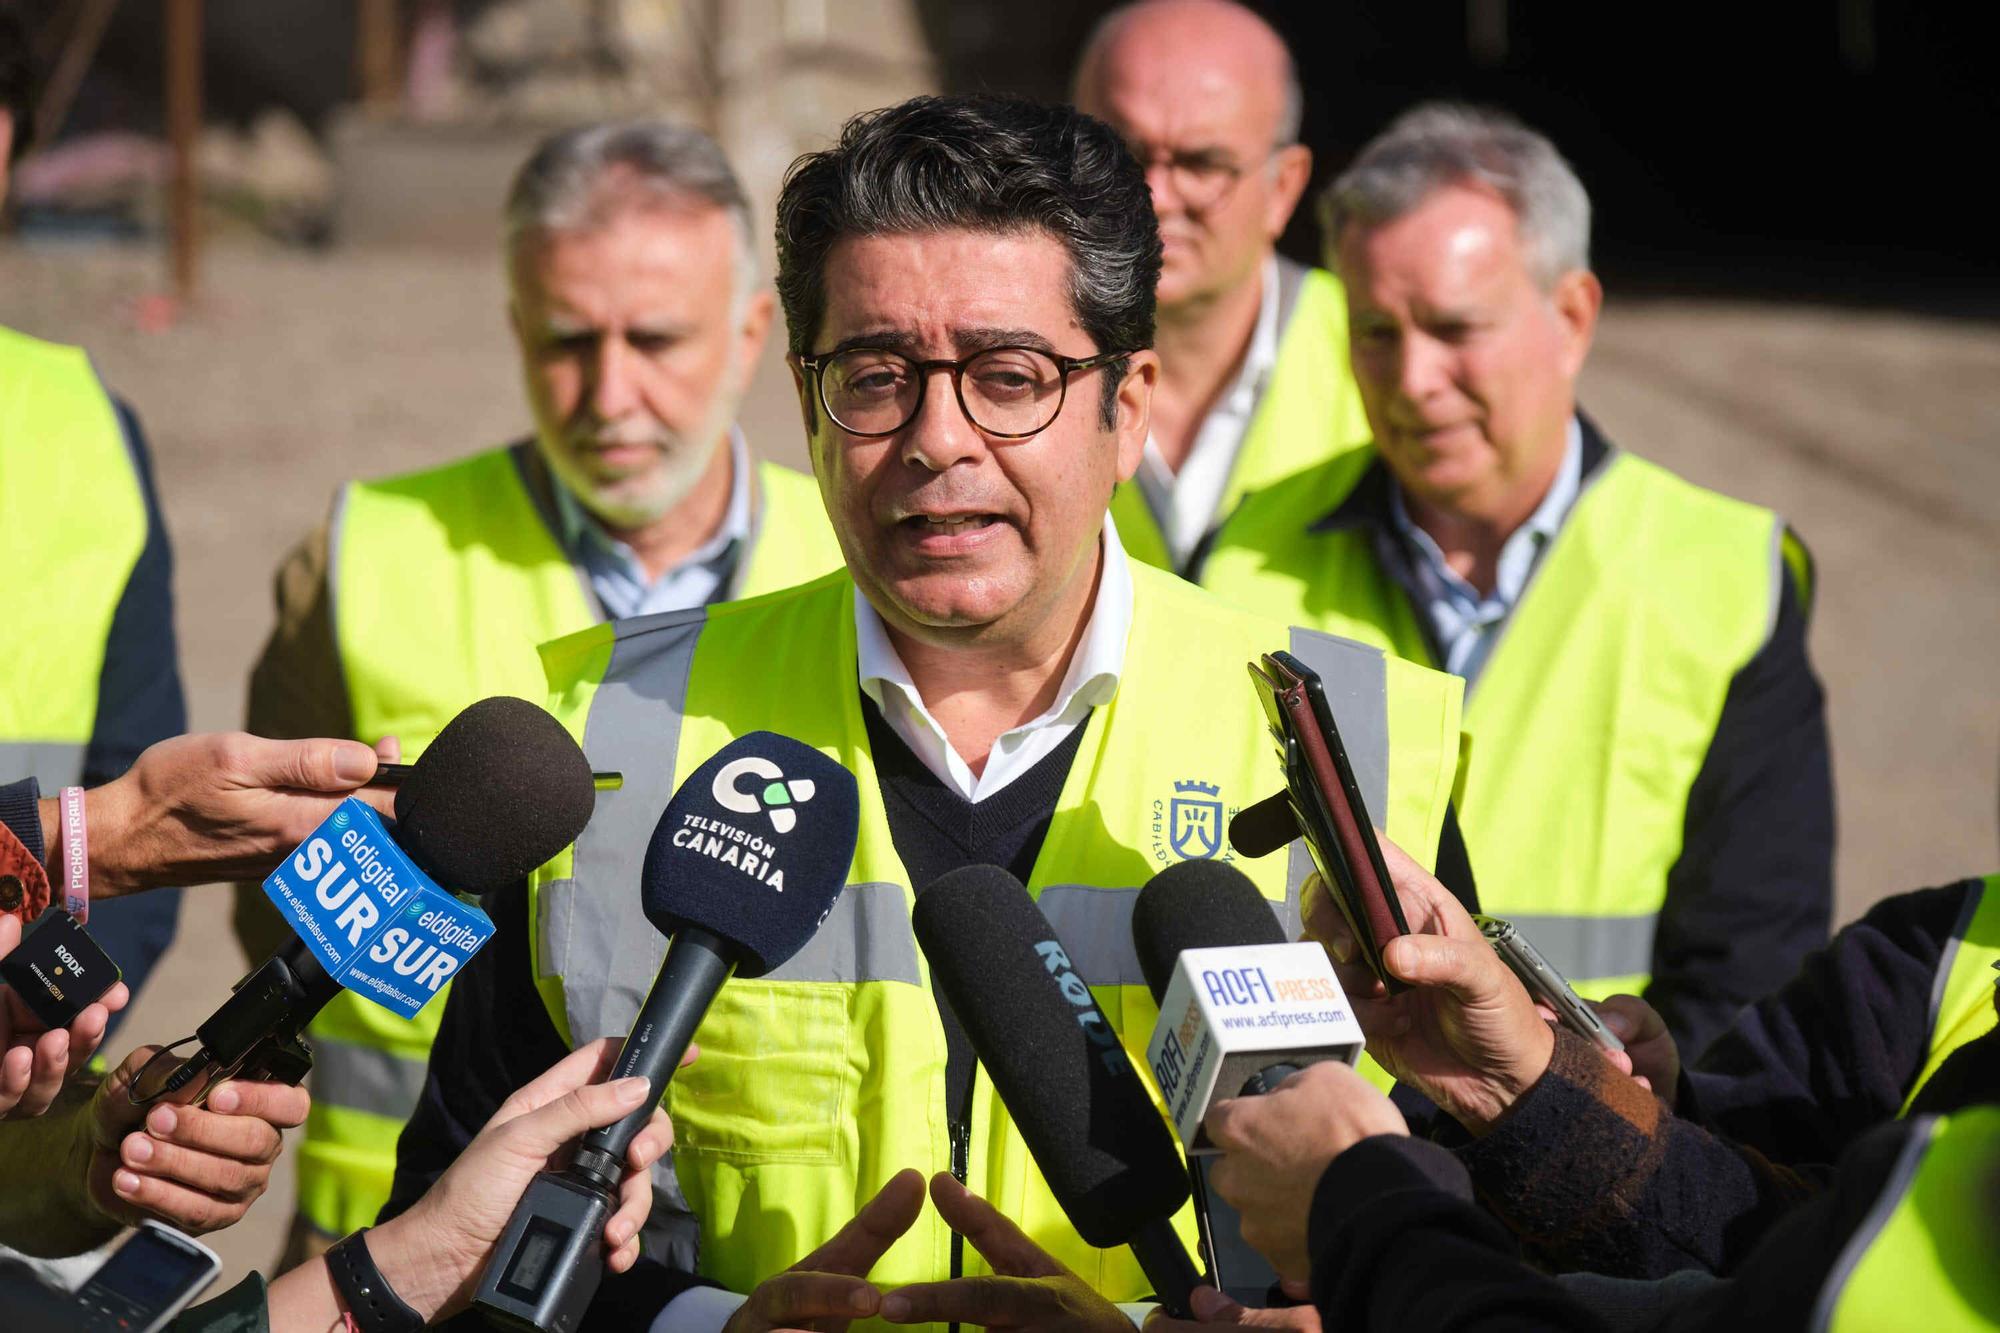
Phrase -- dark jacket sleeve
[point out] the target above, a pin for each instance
(1805, 1072)
(1752, 891)
(1396, 1242)
(139, 702)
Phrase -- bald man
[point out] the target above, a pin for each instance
(1254, 381)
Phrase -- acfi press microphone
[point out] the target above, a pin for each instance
(1241, 1009)
(1059, 1067)
(500, 790)
(743, 867)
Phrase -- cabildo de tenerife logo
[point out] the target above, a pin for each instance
(1189, 826)
(775, 798)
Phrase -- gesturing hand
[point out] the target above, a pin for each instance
(1028, 1289)
(825, 1290)
(35, 1060)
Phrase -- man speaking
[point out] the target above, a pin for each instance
(968, 291)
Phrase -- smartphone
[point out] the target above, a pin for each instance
(1546, 984)
(140, 1288)
(1326, 801)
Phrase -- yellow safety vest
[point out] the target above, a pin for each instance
(819, 1082)
(1594, 711)
(443, 583)
(1928, 1254)
(1963, 1006)
(72, 524)
(1310, 409)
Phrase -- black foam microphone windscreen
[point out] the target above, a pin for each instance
(1262, 828)
(1197, 905)
(754, 848)
(1103, 1147)
(501, 790)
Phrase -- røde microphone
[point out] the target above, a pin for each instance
(1264, 827)
(742, 868)
(501, 789)
(1059, 1067)
(1240, 1008)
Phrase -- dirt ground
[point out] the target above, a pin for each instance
(1878, 435)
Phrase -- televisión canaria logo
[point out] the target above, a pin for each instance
(775, 799)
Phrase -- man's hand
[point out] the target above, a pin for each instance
(829, 1287)
(1028, 1289)
(1210, 1306)
(34, 1060)
(434, 1253)
(1466, 1034)
(1649, 1047)
(219, 806)
(1276, 1147)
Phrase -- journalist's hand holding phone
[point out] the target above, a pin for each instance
(1466, 1034)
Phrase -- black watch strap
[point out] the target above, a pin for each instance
(367, 1294)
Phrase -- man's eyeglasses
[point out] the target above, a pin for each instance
(1008, 392)
(1200, 180)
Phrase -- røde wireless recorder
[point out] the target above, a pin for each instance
(57, 969)
(1061, 1070)
(728, 908)
(501, 790)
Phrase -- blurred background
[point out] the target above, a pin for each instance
(1803, 306)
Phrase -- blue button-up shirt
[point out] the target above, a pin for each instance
(620, 581)
(1465, 625)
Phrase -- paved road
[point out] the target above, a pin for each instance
(1878, 435)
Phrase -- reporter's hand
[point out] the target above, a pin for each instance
(1209, 1306)
(1650, 1051)
(35, 1060)
(828, 1288)
(1276, 1147)
(1028, 1290)
(433, 1254)
(1466, 1034)
(218, 806)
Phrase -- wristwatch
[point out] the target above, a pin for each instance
(369, 1298)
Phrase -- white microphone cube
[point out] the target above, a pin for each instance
(1231, 1013)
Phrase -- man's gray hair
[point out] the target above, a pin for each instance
(580, 179)
(1442, 144)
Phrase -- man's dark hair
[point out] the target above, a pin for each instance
(986, 163)
(17, 76)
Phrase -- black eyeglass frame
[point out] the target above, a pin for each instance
(1065, 365)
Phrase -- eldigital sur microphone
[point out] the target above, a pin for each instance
(372, 908)
(1061, 1070)
(726, 911)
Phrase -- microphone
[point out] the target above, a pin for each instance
(1262, 828)
(1241, 1009)
(501, 789)
(744, 865)
(1061, 1070)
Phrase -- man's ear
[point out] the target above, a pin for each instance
(1578, 298)
(751, 333)
(1291, 169)
(1135, 410)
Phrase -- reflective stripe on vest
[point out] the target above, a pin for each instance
(1597, 706)
(1927, 1255)
(72, 526)
(1963, 997)
(443, 583)
(820, 1081)
(1310, 409)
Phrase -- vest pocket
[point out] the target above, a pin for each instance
(772, 1082)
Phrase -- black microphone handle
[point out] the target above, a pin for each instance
(1157, 1247)
(696, 965)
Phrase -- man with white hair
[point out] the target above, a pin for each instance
(1254, 384)
(1648, 795)
(425, 592)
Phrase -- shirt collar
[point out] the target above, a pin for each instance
(1094, 669)
(580, 526)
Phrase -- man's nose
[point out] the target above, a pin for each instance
(940, 435)
(1160, 183)
(614, 389)
(1422, 367)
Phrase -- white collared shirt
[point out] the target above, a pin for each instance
(1092, 679)
(618, 578)
(1184, 502)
